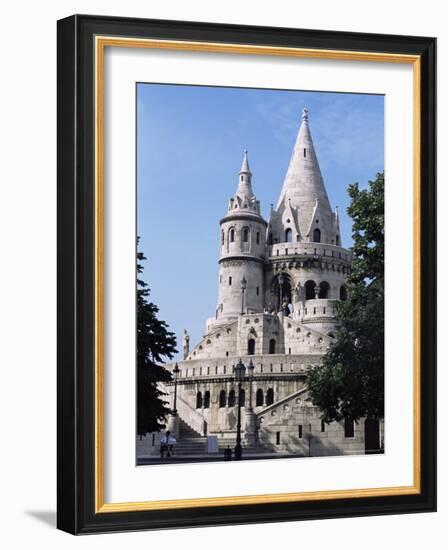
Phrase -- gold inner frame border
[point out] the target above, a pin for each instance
(101, 42)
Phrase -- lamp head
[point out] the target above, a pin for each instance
(240, 371)
(250, 368)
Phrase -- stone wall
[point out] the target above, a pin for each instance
(294, 426)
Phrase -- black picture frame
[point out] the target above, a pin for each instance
(76, 285)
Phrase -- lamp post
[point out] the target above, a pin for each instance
(176, 371)
(243, 290)
(250, 374)
(240, 371)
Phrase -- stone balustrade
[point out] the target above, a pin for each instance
(306, 249)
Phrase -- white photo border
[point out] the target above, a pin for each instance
(123, 482)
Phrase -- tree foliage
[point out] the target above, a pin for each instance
(154, 343)
(350, 380)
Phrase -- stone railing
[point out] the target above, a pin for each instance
(185, 411)
(309, 249)
(315, 309)
(190, 416)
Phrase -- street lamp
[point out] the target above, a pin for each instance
(243, 290)
(240, 371)
(176, 372)
(250, 374)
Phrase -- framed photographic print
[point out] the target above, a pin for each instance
(246, 271)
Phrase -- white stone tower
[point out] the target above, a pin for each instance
(242, 254)
(307, 265)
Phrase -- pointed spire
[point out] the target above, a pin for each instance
(245, 165)
(244, 200)
(244, 190)
(304, 185)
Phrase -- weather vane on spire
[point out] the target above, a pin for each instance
(305, 114)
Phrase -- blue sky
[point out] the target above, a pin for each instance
(190, 142)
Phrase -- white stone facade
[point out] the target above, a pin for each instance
(279, 283)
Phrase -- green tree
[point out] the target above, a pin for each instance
(154, 343)
(350, 380)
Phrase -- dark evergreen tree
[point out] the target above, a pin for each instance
(155, 343)
(350, 380)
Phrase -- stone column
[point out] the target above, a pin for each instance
(250, 433)
(173, 425)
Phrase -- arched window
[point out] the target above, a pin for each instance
(309, 290)
(316, 235)
(258, 237)
(269, 396)
(245, 239)
(259, 398)
(337, 240)
(349, 427)
(251, 347)
(324, 289)
(271, 346)
(242, 398)
(222, 399)
(206, 400)
(232, 235)
(199, 400)
(288, 235)
(231, 401)
(343, 293)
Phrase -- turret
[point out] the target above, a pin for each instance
(242, 252)
(307, 264)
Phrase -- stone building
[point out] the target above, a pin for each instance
(279, 281)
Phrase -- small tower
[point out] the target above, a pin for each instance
(241, 261)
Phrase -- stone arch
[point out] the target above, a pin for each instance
(245, 239)
(222, 399)
(199, 400)
(343, 293)
(316, 235)
(288, 235)
(230, 237)
(309, 290)
(324, 290)
(259, 398)
(251, 346)
(231, 399)
(207, 400)
(272, 344)
(242, 398)
(270, 396)
(281, 293)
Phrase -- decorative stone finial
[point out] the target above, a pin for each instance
(305, 114)
(245, 165)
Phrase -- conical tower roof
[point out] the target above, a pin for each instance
(244, 202)
(303, 187)
(244, 190)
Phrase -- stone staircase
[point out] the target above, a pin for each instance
(190, 442)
